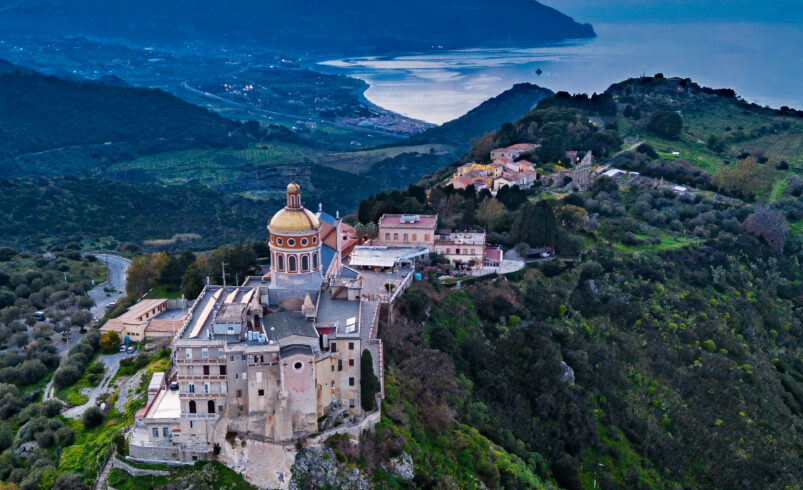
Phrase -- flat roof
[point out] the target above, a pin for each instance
(423, 220)
(166, 406)
(287, 324)
(364, 256)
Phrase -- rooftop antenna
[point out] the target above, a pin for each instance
(223, 267)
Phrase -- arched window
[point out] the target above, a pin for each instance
(210, 406)
(192, 406)
(305, 263)
(291, 263)
(315, 260)
(280, 262)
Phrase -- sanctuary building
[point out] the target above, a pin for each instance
(275, 359)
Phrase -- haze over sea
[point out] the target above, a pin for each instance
(762, 61)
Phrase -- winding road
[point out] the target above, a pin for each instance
(117, 272)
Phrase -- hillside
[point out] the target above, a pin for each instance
(51, 126)
(362, 26)
(506, 106)
(661, 348)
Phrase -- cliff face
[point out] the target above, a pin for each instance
(308, 25)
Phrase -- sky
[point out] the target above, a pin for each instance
(619, 11)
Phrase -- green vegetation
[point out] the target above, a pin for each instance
(48, 131)
(203, 475)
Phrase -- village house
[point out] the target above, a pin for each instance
(512, 152)
(408, 230)
(462, 248)
(148, 319)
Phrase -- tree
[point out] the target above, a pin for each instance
(371, 231)
(193, 282)
(92, 418)
(490, 213)
(109, 341)
(747, 178)
(369, 384)
(359, 230)
(666, 124)
(768, 223)
(69, 481)
(536, 225)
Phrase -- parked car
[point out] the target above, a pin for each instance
(122, 348)
(130, 350)
(174, 386)
(39, 315)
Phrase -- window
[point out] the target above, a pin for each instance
(188, 352)
(245, 375)
(426, 237)
(220, 354)
(395, 236)
(222, 370)
(236, 375)
(415, 237)
(340, 364)
(192, 409)
(314, 240)
(351, 345)
(352, 403)
(304, 242)
(298, 366)
(333, 368)
(164, 431)
(210, 406)
(239, 393)
(204, 353)
(189, 370)
(279, 241)
(280, 263)
(305, 263)
(231, 358)
(315, 260)
(387, 236)
(192, 423)
(259, 376)
(261, 392)
(351, 362)
(206, 370)
(206, 388)
(291, 242)
(224, 387)
(155, 432)
(406, 238)
(333, 346)
(291, 263)
(191, 388)
(351, 381)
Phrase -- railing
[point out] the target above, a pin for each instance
(199, 416)
(202, 395)
(201, 377)
(208, 360)
(402, 286)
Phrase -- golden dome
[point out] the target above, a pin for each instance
(300, 219)
(293, 187)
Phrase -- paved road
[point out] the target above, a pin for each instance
(117, 273)
(112, 364)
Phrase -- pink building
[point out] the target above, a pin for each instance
(408, 230)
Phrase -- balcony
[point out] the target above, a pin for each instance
(202, 395)
(201, 361)
(201, 377)
(199, 416)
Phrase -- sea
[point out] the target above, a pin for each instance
(763, 62)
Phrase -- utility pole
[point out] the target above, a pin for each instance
(223, 267)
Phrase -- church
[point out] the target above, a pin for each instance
(275, 359)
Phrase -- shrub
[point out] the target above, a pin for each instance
(65, 436)
(92, 418)
(69, 481)
(109, 341)
(369, 384)
(709, 345)
(666, 124)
